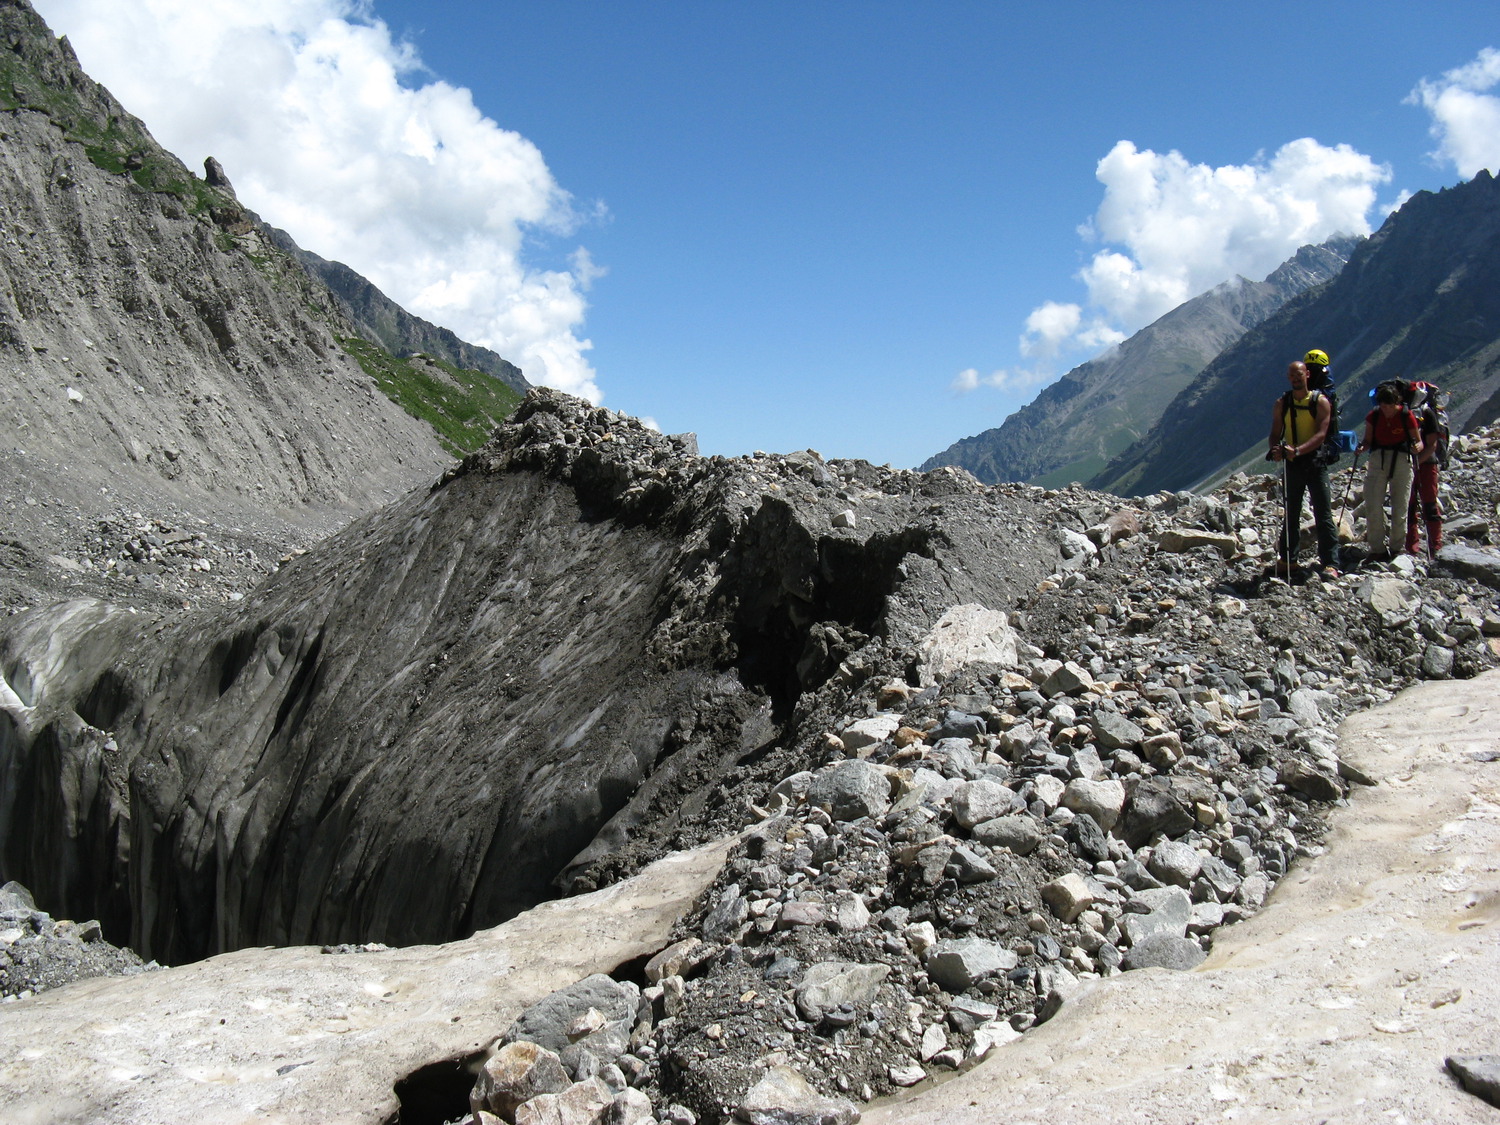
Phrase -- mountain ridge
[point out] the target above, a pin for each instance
(1075, 426)
(1419, 298)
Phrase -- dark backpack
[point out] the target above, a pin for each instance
(1425, 401)
(1427, 404)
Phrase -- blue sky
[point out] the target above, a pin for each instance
(792, 225)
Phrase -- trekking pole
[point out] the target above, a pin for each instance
(1348, 488)
(1286, 515)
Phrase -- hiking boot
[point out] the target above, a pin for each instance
(1329, 573)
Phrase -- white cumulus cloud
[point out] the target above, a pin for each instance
(1168, 229)
(330, 128)
(1053, 326)
(1005, 379)
(1465, 115)
(1174, 229)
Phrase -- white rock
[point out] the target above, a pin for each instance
(1068, 896)
(1102, 800)
(977, 801)
(934, 1039)
(921, 936)
(1049, 790)
(867, 732)
(784, 1096)
(964, 635)
(988, 1036)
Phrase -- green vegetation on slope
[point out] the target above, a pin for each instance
(116, 143)
(464, 407)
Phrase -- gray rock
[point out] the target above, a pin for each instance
(594, 1051)
(1466, 527)
(1134, 875)
(964, 635)
(958, 964)
(13, 896)
(1480, 564)
(1021, 834)
(1115, 732)
(1166, 911)
(1085, 763)
(867, 732)
(1253, 891)
(955, 757)
(1070, 679)
(1437, 662)
(1312, 707)
(1061, 713)
(795, 787)
(1175, 862)
(969, 867)
(1479, 1074)
(965, 1013)
(1154, 809)
(1218, 876)
(1086, 834)
(1164, 951)
(956, 724)
(849, 912)
(1236, 851)
(834, 984)
(546, 1022)
(1207, 917)
(727, 916)
(1049, 790)
(977, 801)
(930, 788)
(1393, 600)
(1109, 956)
(850, 790)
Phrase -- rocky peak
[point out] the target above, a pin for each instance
(215, 176)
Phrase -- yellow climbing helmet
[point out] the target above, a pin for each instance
(1318, 356)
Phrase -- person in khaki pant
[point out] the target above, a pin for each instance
(1391, 437)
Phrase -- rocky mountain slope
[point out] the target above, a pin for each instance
(1420, 298)
(1072, 429)
(162, 358)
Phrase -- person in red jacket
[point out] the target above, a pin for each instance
(1425, 507)
(1391, 437)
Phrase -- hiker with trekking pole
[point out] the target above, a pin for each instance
(1300, 423)
(1394, 442)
